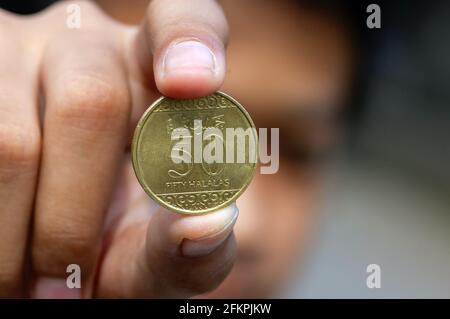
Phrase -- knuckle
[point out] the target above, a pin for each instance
(6, 19)
(10, 281)
(85, 5)
(91, 102)
(92, 15)
(19, 147)
(5, 37)
(55, 247)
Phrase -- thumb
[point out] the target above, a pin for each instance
(181, 45)
(181, 256)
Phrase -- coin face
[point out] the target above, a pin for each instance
(195, 156)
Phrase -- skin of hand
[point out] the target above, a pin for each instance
(69, 101)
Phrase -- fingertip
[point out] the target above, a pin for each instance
(169, 230)
(189, 69)
(188, 85)
(192, 254)
(210, 242)
(199, 227)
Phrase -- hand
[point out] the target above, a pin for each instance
(69, 100)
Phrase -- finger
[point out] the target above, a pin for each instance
(19, 161)
(87, 109)
(186, 40)
(182, 256)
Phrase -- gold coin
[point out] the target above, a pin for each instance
(195, 156)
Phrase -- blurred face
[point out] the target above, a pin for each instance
(289, 66)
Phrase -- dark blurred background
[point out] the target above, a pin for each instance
(389, 190)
